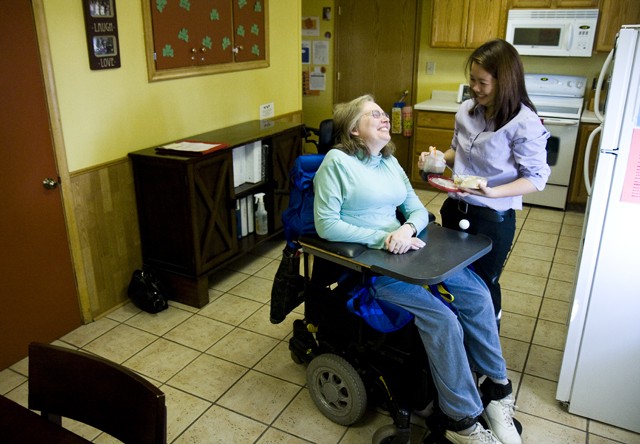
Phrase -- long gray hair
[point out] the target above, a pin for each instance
(346, 117)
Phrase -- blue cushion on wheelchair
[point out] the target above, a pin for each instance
(380, 315)
(297, 219)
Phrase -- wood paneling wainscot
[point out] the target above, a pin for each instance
(105, 210)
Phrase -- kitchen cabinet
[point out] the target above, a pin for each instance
(541, 4)
(466, 23)
(193, 38)
(613, 14)
(432, 128)
(187, 204)
(577, 189)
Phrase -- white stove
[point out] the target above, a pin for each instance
(559, 101)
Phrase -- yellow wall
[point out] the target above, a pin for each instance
(320, 107)
(106, 114)
(450, 63)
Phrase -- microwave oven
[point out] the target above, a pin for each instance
(552, 32)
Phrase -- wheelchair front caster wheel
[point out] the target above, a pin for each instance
(295, 358)
(336, 388)
(390, 434)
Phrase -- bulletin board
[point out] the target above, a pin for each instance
(316, 47)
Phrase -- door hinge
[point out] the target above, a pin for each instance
(613, 151)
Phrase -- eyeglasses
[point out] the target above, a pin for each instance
(377, 114)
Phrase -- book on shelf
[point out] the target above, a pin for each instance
(190, 148)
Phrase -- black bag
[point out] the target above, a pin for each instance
(147, 292)
(288, 286)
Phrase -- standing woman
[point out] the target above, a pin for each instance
(499, 136)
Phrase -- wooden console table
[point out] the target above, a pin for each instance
(187, 204)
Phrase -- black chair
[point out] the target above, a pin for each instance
(95, 391)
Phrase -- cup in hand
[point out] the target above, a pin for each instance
(433, 162)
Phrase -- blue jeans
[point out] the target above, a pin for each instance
(455, 346)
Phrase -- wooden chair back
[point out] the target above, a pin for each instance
(95, 391)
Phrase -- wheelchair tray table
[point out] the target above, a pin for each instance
(446, 252)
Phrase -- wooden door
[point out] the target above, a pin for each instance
(376, 52)
(38, 295)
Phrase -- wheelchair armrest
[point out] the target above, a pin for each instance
(344, 249)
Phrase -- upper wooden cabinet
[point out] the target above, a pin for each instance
(466, 23)
(540, 4)
(614, 14)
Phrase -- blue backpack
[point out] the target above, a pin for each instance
(288, 286)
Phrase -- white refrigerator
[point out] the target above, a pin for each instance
(600, 374)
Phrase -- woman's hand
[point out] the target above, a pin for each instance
(484, 190)
(402, 240)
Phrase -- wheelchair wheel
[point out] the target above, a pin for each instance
(336, 388)
(389, 434)
(295, 358)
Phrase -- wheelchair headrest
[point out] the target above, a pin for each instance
(326, 136)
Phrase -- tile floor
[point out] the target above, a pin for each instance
(229, 378)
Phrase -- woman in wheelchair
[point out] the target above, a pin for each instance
(357, 188)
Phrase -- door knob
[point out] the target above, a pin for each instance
(49, 183)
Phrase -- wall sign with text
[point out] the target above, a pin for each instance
(102, 33)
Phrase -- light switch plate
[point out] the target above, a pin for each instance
(267, 111)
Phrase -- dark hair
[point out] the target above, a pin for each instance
(346, 117)
(503, 62)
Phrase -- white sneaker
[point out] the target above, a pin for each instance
(499, 418)
(480, 435)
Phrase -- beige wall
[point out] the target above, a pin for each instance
(106, 114)
(450, 63)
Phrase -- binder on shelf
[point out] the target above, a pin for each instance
(239, 165)
(238, 219)
(244, 226)
(254, 162)
(250, 215)
(190, 148)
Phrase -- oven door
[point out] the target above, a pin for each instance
(560, 148)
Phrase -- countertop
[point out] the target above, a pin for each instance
(445, 101)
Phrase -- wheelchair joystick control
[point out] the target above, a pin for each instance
(463, 224)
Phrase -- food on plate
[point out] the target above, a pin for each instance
(472, 182)
(443, 183)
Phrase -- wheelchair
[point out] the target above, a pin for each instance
(350, 365)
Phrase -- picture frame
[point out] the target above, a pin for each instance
(101, 26)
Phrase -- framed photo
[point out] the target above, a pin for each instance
(311, 26)
(101, 8)
(101, 25)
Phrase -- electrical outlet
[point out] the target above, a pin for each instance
(431, 68)
(267, 111)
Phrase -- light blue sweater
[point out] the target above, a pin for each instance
(356, 199)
